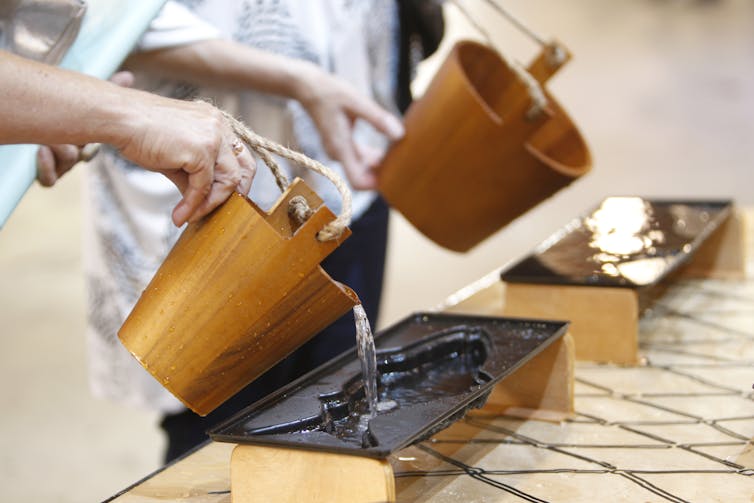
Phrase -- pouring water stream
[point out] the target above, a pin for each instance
(367, 357)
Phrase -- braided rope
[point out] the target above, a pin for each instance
(264, 148)
(299, 209)
(533, 87)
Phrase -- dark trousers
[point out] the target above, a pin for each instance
(359, 263)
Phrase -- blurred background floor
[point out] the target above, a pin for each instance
(663, 90)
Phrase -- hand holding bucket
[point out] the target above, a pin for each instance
(241, 289)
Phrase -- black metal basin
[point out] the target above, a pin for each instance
(433, 368)
(628, 242)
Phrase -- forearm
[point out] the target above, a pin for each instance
(45, 104)
(224, 64)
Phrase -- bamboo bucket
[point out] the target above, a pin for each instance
(239, 291)
(473, 157)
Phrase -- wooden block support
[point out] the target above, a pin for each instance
(604, 320)
(541, 389)
(723, 254)
(264, 474)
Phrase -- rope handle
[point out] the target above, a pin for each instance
(298, 207)
(555, 54)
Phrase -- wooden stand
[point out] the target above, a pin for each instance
(723, 254)
(541, 389)
(261, 474)
(605, 320)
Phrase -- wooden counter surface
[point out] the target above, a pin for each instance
(678, 427)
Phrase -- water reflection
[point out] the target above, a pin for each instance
(620, 228)
(626, 241)
(624, 237)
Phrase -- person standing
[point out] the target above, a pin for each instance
(320, 76)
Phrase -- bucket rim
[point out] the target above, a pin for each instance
(455, 55)
(559, 113)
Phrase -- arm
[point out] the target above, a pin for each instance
(53, 161)
(331, 102)
(188, 142)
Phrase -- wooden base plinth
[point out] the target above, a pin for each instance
(262, 474)
(541, 389)
(604, 320)
(723, 254)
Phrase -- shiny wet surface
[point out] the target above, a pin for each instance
(663, 90)
(433, 368)
(625, 241)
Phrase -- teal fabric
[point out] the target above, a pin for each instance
(109, 31)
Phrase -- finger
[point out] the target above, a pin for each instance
(123, 79)
(66, 156)
(248, 168)
(46, 167)
(179, 178)
(369, 155)
(227, 178)
(335, 133)
(370, 158)
(381, 119)
(339, 147)
(358, 172)
(88, 151)
(198, 182)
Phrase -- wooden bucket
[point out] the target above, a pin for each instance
(474, 158)
(239, 291)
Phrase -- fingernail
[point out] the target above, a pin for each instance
(179, 214)
(395, 128)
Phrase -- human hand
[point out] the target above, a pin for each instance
(335, 106)
(191, 143)
(53, 161)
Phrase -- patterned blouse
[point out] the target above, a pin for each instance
(127, 226)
